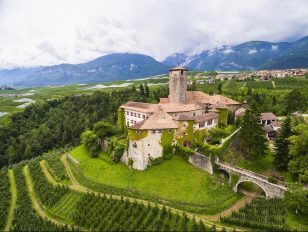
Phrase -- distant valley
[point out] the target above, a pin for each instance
(253, 55)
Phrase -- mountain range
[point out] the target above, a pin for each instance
(253, 55)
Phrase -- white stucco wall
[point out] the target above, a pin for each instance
(133, 116)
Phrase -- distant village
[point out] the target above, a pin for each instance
(262, 75)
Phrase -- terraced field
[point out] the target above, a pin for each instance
(259, 84)
(291, 83)
(45, 204)
(66, 206)
(233, 86)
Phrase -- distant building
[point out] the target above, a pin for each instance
(268, 118)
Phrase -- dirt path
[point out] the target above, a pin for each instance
(13, 190)
(47, 174)
(37, 205)
(69, 171)
(80, 188)
(239, 204)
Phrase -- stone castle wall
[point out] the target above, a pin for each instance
(140, 151)
(202, 162)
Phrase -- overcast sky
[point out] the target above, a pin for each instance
(46, 32)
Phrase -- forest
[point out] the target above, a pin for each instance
(56, 123)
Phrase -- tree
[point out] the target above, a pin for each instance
(219, 88)
(294, 101)
(141, 88)
(91, 142)
(193, 86)
(298, 165)
(296, 198)
(281, 156)
(147, 90)
(104, 129)
(252, 140)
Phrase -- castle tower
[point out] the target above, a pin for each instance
(178, 85)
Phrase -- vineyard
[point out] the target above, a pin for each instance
(56, 166)
(122, 215)
(68, 209)
(45, 205)
(233, 87)
(25, 217)
(5, 196)
(253, 84)
(291, 83)
(263, 214)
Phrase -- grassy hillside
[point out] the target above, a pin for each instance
(174, 180)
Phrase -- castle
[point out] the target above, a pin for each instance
(177, 119)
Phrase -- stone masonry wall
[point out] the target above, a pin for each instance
(140, 151)
(202, 162)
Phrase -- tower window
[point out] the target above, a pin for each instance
(182, 72)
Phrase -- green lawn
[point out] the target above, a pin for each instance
(261, 165)
(174, 180)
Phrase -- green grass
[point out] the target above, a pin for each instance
(260, 165)
(174, 180)
(299, 222)
(66, 206)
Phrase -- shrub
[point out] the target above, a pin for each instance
(216, 134)
(156, 161)
(117, 153)
(272, 180)
(167, 152)
(91, 142)
(183, 151)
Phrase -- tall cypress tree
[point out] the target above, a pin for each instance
(147, 90)
(281, 156)
(252, 140)
(141, 88)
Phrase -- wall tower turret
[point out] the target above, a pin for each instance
(178, 85)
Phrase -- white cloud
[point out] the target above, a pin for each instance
(228, 50)
(275, 47)
(54, 31)
(252, 51)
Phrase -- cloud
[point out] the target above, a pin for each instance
(275, 47)
(252, 51)
(228, 50)
(73, 31)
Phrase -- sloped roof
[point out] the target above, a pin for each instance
(197, 96)
(205, 117)
(201, 97)
(168, 107)
(183, 117)
(277, 124)
(158, 120)
(219, 99)
(139, 106)
(268, 116)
